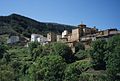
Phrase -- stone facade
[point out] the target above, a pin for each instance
(75, 34)
(59, 38)
(51, 37)
(13, 39)
(83, 34)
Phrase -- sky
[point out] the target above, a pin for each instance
(103, 14)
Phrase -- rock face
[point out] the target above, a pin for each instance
(17, 24)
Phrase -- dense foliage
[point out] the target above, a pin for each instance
(79, 46)
(113, 57)
(21, 25)
(48, 68)
(56, 62)
(74, 70)
(2, 50)
(63, 50)
(97, 53)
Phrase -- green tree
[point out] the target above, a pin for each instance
(6, 58)
(93, 76)
(74, 70)
(113, 57)
(97, 54)
(63, 50)
(32, 46)
(48, 68)
(17, 67)
(34, 49)
(6, 72)
(113, 42)
(79, 46)
(2, 50)
(113, 64)
(81, 54)
(37, 52)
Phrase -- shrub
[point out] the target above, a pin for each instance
(86, 76)
(79, 46)
(81, 54)
(97, 54)
(63, 50)
(74, 70)
(47, 68)
(6, 73)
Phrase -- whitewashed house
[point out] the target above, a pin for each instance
(13, 39)
(39, 38)
(64, 33)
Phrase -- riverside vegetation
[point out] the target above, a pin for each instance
(56, 62)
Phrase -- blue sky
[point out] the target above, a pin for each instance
(100, 13)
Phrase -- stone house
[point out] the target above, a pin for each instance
(13, 39)
(39, 38)
(59, 38)
(51, 37)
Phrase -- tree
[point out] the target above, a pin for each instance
(113, 57)
(35, 49)
(32, 46)
(113, 42)
(93, 76)
(37, 52)
(48, 68)
(79, 46)
(64, 51)
(17, 67)
(81, 54)
(2, 50)
(6, 72)
(97, 54)
(6, 58)
(20, 61)
(113, 64)
(74, 70)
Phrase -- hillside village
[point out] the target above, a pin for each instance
(25, 42)
(60, 40)
(81, 33)
(78, 55)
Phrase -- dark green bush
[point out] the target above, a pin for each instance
(92, 77)
(48, 68)
(74, 70)
(81, 54)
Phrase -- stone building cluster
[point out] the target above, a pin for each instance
(82, 34)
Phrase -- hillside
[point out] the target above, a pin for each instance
(21, 25)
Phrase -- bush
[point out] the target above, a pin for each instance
(35, 50)
(74, 70)
(97, 54)
(81, 54)
(92, 77)
(63, 50)
(2, 50)
(79, 46)
(113, 63)
(48, 68)
(113, 57)
(6, 73)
